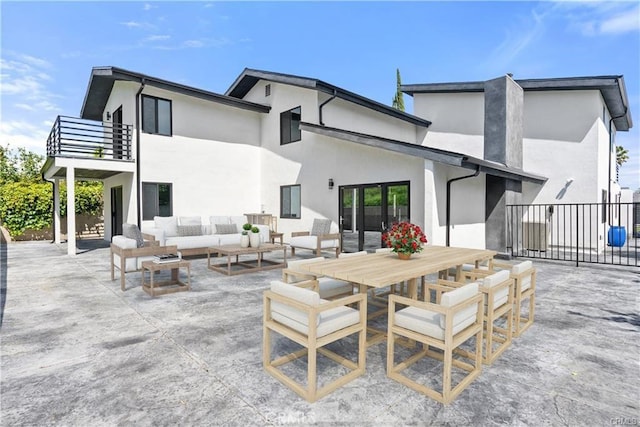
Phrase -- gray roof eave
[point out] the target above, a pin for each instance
(249, 77)
(429, 153)
(612, 88)
(102, 80)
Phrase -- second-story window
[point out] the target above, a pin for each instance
(156, 115)
(290, 126)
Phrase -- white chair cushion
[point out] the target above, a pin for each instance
(384, 250)
(311, 242)
(352, 254)
(329, 288)
(327, 322)
(525, 283)
(467, 315)
(500, 297)
(239, 220)
(295, 265)
(169, 224)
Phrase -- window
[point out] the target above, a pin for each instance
(267, 90)
(290, 201)
(290, 126)
(156, 200)
(156, 115)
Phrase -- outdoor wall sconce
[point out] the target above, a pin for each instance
(330, 183)
(108, 115)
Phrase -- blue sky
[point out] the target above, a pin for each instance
(49, 48)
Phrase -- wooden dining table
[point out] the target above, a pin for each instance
(379, 270)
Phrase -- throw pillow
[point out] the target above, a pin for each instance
(320, 226)
(132, 231)
(226, 229)
(189, 230)
(167, 223)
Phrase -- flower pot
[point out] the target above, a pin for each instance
(244, 241)
(404, 256)
(254, 240)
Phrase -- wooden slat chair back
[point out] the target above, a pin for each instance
(300, 315)
(445, 326)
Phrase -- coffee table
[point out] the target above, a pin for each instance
(258, 264)
(167, 286)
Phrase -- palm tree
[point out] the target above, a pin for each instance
(622, 155)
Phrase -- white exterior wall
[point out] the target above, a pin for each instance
(126, 181)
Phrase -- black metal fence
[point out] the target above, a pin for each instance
(601, 233)
(73, 137)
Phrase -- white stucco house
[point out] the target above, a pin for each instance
(300, 148)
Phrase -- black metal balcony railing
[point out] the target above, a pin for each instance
(73, 137)
(600, 233)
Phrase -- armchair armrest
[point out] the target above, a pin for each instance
(297, 276)
(299, 233)
(331, 236)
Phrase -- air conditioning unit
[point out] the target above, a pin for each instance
(535, 235)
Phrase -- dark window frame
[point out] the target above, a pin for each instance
(149, 215)
(286, 118)
(287, 213)
(156, 128)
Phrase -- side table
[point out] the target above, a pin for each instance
(172, 285)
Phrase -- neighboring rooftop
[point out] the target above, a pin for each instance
(612, 88)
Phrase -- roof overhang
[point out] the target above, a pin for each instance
(102, 80)
(437, 155)
(612, 88)
(248, 79)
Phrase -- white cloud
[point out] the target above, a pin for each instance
(156, 38)
(193, 43)
(24, 134)
(622, 23)
(148, 6)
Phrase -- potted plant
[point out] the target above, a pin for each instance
(405, 239)
(254, 237)
(244, 237)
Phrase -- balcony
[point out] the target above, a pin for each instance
(94, 150)
(80, 138)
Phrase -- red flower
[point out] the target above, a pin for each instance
(404, 237)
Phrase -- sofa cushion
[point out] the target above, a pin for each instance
(133, 232)
(219, 219)
(189, 230)
(238, 219)
(320, 226)
(167, 223)
(189, 220)
(193, 242)
(226, 229)
(228, 239)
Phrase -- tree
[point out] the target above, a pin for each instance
(398, 99)
(622, 155)
(21, 166)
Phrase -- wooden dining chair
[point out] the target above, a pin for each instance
(524, 277)
(300, 315)
(498, 291)
(445, 326)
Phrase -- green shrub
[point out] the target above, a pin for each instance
(25, 205)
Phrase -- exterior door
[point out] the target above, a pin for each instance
(117, 133)
(367, 210)
(116, 211)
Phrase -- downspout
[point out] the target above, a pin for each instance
(138, 181)
(323, 104)
(449, 182)
(610, 154)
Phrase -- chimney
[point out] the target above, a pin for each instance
(503, 125)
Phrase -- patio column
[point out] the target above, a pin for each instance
(56, 212)
(71, 212)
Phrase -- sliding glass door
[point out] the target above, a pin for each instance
(367, 210)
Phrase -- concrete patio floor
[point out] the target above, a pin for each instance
(78, 351)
